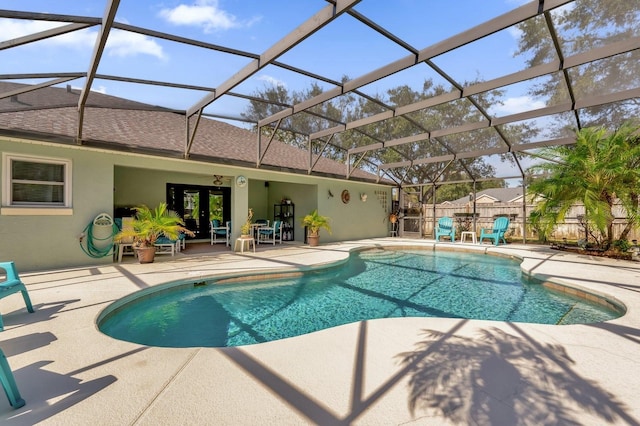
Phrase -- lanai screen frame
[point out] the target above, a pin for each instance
(354, 156)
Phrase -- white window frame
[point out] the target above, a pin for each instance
(10, 208)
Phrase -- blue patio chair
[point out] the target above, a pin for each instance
(9, 383)
(167, 245)
(257, 224)
(446, 228)
(496, 233)
(12, 284)
(182, 238)
(272, 234)
(217, 230)
(179, 242)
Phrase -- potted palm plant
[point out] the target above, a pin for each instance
(148, 225)
(314, 222)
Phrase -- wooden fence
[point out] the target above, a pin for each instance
(415, 225)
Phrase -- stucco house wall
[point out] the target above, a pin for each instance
(103, 179)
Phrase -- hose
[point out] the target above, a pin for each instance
(98, 246)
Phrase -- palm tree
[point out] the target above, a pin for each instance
(600, 169)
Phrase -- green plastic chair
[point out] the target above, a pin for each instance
(9, 383)
(496, 233)
(446, 228)
(12, 284)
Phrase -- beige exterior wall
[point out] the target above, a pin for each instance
(36, 241)
(104, 179)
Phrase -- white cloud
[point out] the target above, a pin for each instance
(205, 14)
(99, 89)
(516, 105)
(271, 80)
(14, 28)
(124, 44)
(120, 43)
(514, 32)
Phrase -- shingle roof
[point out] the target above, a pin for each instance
(115, 123)
(502, 195)
(55, 97)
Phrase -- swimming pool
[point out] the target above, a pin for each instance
(372, 284)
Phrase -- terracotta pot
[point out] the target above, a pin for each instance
(313, 240)
(146, 254)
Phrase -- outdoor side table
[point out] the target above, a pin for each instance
(245, 241)
(463, 236)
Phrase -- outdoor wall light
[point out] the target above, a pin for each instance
(363, 197)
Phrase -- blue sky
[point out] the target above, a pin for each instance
(345, 47)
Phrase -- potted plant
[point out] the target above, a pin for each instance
(148, 225)
(245, 229)
(314, 222)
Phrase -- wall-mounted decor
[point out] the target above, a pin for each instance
(382, 198)
(345, 196)
(363, 197)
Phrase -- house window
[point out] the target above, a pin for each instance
(36, 182)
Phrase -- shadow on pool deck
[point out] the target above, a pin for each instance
(427, 371)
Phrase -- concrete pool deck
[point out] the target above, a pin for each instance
(422, 371)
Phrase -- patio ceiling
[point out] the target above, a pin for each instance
(225, 85)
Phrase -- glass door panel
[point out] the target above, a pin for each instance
(191, 215)
(216, 203)
(197, 205)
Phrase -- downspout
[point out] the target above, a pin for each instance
(433, 226)
(475, 220)
(421, 210)
(524, 212)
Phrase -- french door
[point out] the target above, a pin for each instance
(198, 205)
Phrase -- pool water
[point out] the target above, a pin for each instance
(373, 284)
